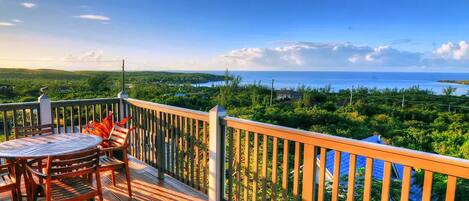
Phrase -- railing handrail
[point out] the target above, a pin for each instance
(62, 103)
(18, 106)
(193, 114)
(438, 163)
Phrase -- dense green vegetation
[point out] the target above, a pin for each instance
(411, 118)
(22, 85)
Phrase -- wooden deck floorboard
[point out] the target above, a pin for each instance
(145, 186)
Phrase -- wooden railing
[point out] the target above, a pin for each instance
(72, 115)
(261, 158)
(258, 161)
(17, 114)
(183, 152)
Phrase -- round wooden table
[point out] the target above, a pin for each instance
(42, 146)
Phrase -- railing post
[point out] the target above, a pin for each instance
(216, 164)
(122, 96)
(45, 108)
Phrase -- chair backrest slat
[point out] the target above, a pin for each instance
(28, 131)
(119, 136)
(72, 165)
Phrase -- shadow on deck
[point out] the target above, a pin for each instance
(145, 186)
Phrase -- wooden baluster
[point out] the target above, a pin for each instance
(368, 179)
(309, 172)
(191, 152)
(57, 119)
(100, 106)
(336, 177)
(186, 152)
(205, 155)
(322, 173)
(131, 137)
(23, 118)
(15, 122)
(451, 188)
(93, 111)
(274, 167)
(80, 124)
(197, 154)
(285, 170)
(151, 145)
(139, 134)
(296, 171)
(64, 120)
(114, 111)
(167, 146)
(181, 149)
(246, 165)
(169, 136)
(174, 149)
(145, 135)
(159, 145)
(351, 177)
(406, 183)
(31, 113)
(229, 170)
(5, 126)
(86, 113)
(256, 166)
(72, 125)
(386, 181)
(264, 166)
(238, 164)
(427, 186)
(151, 134)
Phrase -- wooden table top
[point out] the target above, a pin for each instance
(47, 145)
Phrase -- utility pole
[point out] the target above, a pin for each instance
(272, 92)
(123, 72)
(449, 107)
(351, 95)
(403, 100)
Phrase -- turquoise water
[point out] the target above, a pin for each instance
(342, 80)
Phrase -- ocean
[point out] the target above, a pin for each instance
(344, 80)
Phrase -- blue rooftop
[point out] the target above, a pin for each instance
(378, 167)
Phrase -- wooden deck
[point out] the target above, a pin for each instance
(145, 186)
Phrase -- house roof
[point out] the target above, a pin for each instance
(378, 166)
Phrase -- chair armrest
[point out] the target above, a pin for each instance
(108, 149)
(35, 172)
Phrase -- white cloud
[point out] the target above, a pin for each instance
(17, 20)
(90, 56)
(6, 24)
(309, 55)
(94, 17)
(28, 4)
(452, 51)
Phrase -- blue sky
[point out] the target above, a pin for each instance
(239, 35)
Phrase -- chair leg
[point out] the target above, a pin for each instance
(127, 176)
(14, 196)
(113, 178)
(98, 185)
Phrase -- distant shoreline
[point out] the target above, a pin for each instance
(463, 82)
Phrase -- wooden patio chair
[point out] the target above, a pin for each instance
(28, 131)
(117, 141)
(8, 181)
(68, 177)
